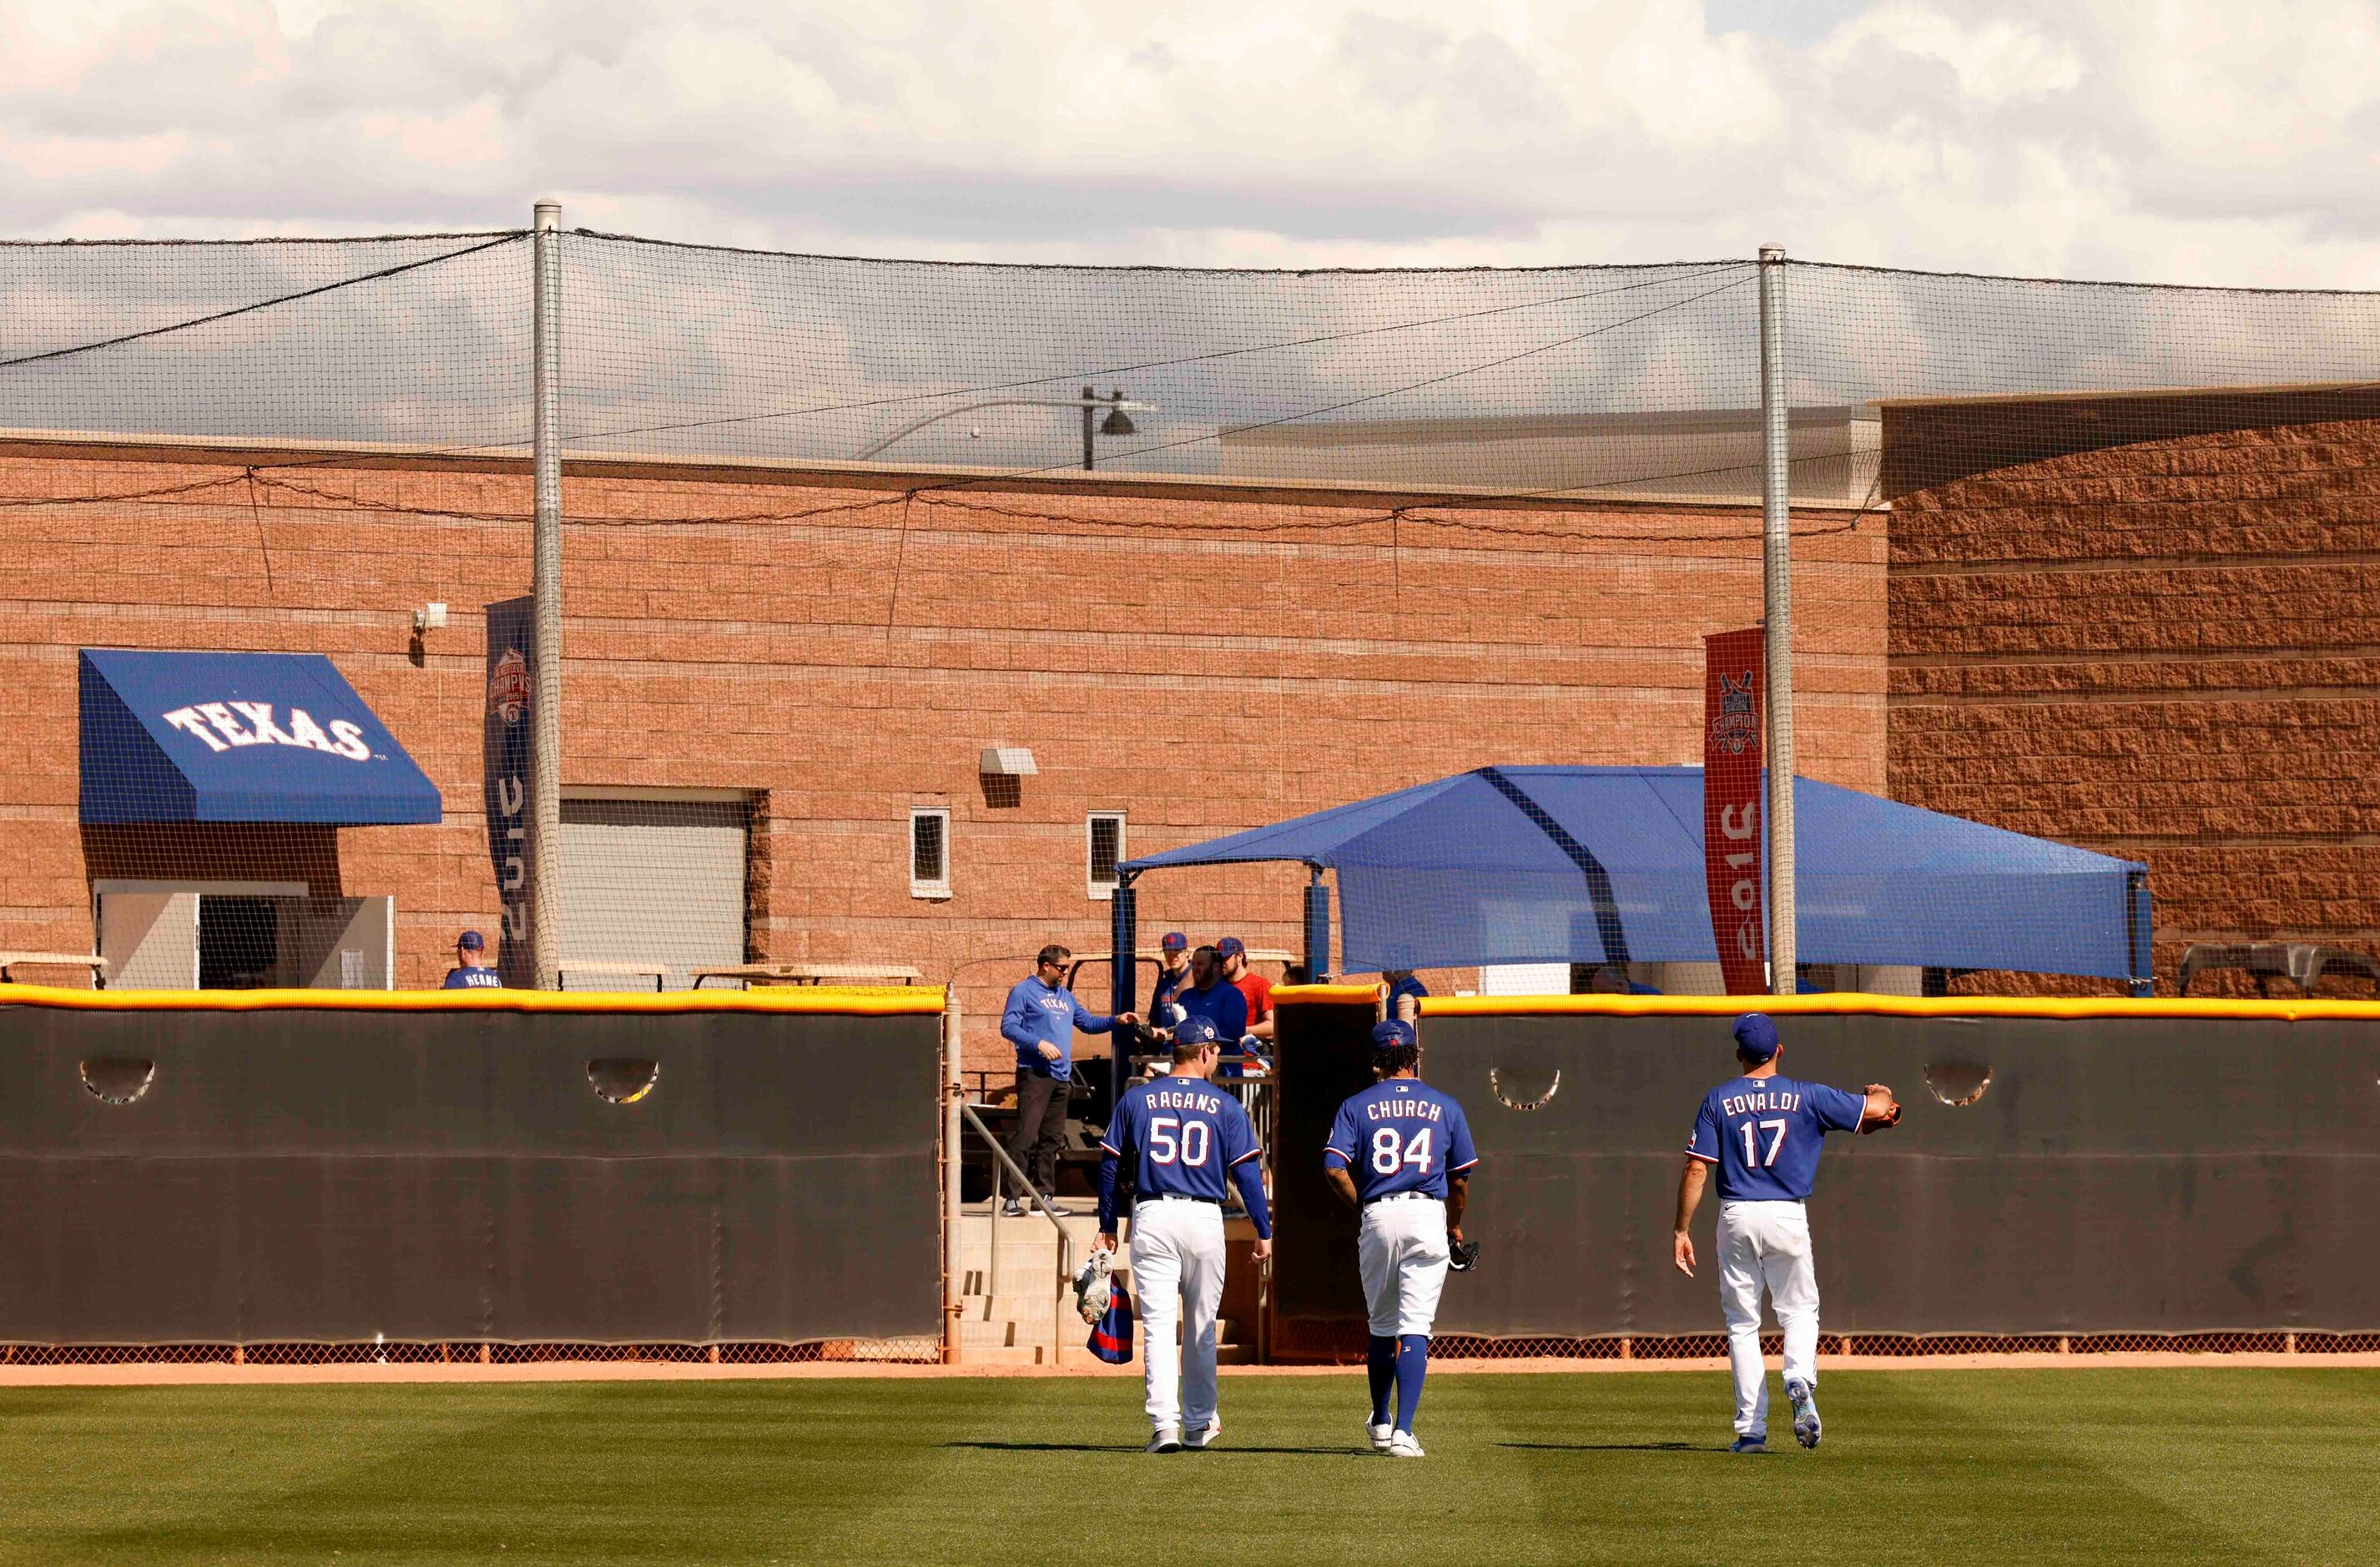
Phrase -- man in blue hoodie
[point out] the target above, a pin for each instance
(1040, 1020)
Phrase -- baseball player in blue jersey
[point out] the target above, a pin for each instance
(1763, 1131)
(1400, 1153)
(1181, 1136)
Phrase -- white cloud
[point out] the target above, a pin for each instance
(2189, 140)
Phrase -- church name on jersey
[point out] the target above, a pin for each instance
(1179, 1099)
(216, 724)
(1401, 1108)
(1746, 1104)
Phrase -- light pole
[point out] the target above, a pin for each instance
(1117, 423)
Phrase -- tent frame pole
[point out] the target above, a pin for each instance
(1777, 594)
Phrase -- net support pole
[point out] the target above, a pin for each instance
(1317, 927)
(1123, 973)
(545, 589)
(1777, 595)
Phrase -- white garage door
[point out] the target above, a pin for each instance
(650, 881)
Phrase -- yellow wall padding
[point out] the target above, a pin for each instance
(854, 1000)
(1289, 995)
(1838, 1003)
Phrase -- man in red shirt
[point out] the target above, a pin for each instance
(1255, 986)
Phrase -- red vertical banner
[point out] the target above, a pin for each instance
(1732, 662)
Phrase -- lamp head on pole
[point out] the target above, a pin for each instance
(1118, 422)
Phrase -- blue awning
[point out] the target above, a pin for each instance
(1604, 864)
(238, 737)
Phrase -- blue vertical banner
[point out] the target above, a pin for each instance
(506, 760)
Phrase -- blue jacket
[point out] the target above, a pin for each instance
(1037, 1015)
(1222, 1005)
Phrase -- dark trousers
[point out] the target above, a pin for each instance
(1040, 1128)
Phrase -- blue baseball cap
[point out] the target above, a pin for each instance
(1196, 1031)
(1229, 947)
(1755, 1035)
(1174, 941)
(1391, 1034)
(471, 941)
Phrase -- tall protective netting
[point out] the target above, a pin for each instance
(906, 607)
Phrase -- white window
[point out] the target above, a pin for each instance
(1103, 845)
(929, 851)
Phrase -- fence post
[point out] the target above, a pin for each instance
(545, 589)
(954, 1251)
(1777, 584)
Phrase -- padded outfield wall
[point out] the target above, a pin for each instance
(500, 1167)
(2063, 1168)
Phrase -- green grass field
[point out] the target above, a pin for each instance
(2236, 1465)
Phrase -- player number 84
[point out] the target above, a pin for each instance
(1389, 1150)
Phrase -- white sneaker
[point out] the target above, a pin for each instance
(1402, 1445)
(1198, 1441)
(1379, 1435)
(1168, 1440)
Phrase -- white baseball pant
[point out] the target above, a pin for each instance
(1766, 1244)
(1400, 1251)
(1177, 1272)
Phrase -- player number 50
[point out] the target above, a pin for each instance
(1171, 1139)
(1752, 1144)
(1389, 1151)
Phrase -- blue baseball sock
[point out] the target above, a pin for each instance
(1380, 1359)
(1413, 1360)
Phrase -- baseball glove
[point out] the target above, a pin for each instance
(1091, 1286)
(1461, 1255)
(1869, 1128)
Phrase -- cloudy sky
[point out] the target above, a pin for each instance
(2233, 141)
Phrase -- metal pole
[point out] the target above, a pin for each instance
(953, 1248)
(1777, 582)
(545, 589)
(1088, 413)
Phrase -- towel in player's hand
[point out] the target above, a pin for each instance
(1461, 1255)
(1112, 1333)
(1091, 1286)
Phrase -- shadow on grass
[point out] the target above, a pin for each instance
(1613, 1447)
(1109, 1446)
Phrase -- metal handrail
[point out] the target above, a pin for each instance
(1065, 1243)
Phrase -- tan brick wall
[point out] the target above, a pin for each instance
(2168, 651)
(1205, 658)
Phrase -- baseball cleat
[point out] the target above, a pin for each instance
(1402, 1445)
(1379, 1435)
(1805, 1411)
(1167, 1440)
(1749, 1444)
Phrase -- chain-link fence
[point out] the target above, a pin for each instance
(902, 601)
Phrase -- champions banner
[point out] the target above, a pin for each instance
(505, 761)
(1733, 661)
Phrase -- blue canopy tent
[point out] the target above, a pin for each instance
(173, 737)
(1511, 865)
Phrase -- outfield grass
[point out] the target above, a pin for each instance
(1926, 1467)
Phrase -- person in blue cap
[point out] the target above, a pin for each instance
(1173, 972)
(1399, 1154)
(1763, 1131)
(470, 971)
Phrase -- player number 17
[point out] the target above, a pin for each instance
(1752, 1144)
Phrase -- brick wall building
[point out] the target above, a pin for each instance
(837, 648)
(2150, 626)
